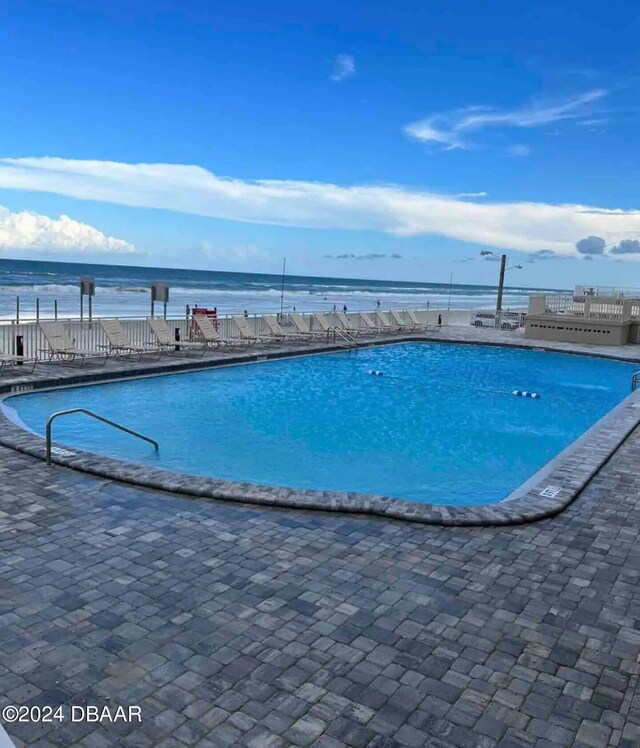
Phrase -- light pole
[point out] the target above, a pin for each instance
(503, 270)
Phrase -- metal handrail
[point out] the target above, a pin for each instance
(345, 336)
(102, 419)
(635, 381)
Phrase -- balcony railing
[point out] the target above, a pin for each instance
(621, 309)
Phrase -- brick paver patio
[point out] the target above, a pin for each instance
(233, 625)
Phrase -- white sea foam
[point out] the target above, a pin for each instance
(127, 294)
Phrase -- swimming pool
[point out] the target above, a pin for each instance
(440, 425)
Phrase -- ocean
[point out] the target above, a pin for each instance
(124, 291)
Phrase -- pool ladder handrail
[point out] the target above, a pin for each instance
(635, 380)
(345, 337)
(102, 419)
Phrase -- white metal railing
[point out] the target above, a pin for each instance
(602, 310)
(614, 292)
(97, 417)
(89, 335)
(343, 338)
(590, 307)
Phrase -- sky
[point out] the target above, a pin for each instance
(390, 140)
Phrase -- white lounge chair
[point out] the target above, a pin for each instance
(419, 325)
(120, 344)
(278, 334)
(369, 324)
(303, 326)
(63, 349)
(209, 334)
(348, 327)
(162, 332)
(387, 323)
(324, 322)
(403, 324)
(246, 334)
(8, 360)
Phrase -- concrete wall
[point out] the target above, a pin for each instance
(577, 330)
(537, 304)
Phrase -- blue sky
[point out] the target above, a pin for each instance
(426, 130)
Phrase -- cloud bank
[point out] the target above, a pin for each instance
(451, 129)
(626, 247)
(25, 230)
(525, 226)
(596, 246)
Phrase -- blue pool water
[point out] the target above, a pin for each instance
(441, 425)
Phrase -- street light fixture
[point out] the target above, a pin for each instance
(503, 270)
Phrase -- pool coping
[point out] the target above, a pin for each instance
(545, 494)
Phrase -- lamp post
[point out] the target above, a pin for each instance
(503, 269)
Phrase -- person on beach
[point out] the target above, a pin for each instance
(334, 308)
(344, 308)
(246, 314)
(439, 319)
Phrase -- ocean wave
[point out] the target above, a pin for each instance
(245, 297)
(311, 289)
(64, 288)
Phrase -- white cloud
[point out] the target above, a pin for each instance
(525, 226)
(451, 129)
(344, 66)
(25, 230)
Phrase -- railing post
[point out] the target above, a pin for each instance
(48, 440)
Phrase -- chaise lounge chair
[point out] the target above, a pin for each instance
(419, 325)
(162, 332)
(209, 334)
(63, 349)
(369, 324)
(325, 324)
(276, 333)
(303, 326)
(120, 344)
(246, 334)
(387, 323)
(346, 326)
(402, 324)
(8, 360)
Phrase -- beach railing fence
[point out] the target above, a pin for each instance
(27, 339)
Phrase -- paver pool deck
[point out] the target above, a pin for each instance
(234, 625)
